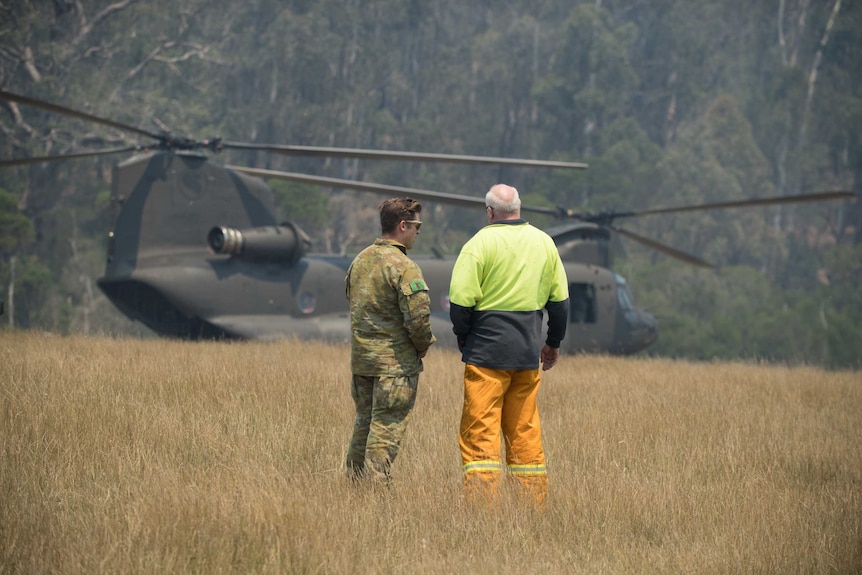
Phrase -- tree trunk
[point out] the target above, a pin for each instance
(812, 74)
(11, 293)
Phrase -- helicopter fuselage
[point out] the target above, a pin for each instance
(200, 295)
(195, 252)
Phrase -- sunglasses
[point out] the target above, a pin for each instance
(416, 223)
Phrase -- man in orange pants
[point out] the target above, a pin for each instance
(505, 276)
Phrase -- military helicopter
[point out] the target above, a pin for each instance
(196, 251)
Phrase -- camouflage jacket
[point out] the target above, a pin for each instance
(390, 311)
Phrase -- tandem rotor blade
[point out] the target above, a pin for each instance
(75, 114)
(663, 248)
(403, 156)
(36, 160)
(383, 189)
(816, 197)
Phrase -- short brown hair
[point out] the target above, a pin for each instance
(395, 210)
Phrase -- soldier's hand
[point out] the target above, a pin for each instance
(423, 354)
(550, 355)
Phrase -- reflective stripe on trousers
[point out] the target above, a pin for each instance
(498, 400)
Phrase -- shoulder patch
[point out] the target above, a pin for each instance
(417, 285)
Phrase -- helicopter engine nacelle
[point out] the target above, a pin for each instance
(283, 243)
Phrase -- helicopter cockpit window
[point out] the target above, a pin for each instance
(624, 295)
(582, 302)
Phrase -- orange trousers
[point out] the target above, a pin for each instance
(495, 400)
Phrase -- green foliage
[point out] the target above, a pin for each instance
(716, 159)
(842, 306)
(301, 203)
(737, 313)
(625, 173)
(34, 287)
(589, 84)
(16, 229)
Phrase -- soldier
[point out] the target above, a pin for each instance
(390, 321)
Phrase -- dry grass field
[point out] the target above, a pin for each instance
(129, 456)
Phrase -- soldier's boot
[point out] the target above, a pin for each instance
(356, 471)
(378, 470)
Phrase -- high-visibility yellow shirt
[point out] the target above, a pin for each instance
(503, 278)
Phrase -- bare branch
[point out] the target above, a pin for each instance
(782, 43)
(30, 65)
(9, 133)
(199, 52)
(134, 72)
(812, 75)
(161, 125)
(87, 27)
(13, 109)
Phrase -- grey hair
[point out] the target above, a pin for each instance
(492, 200)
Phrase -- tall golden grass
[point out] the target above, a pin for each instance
(130, 456)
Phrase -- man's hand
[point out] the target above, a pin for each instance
(550, 355)
(423, 354)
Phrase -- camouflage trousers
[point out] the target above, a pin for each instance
(383, 406)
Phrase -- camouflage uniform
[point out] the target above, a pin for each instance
(390, 323)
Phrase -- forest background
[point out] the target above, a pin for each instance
(670, 102)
